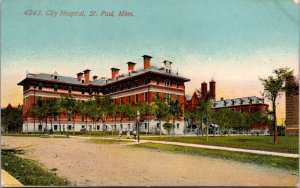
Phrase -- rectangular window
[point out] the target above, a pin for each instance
(136, 83)
(40, 86)
(168, 96)
(129, 85)
(82, 91)
(70, 89)
(69, 127)
(136, 98)
(177, 85)
(55, 87)
(82, 126)
(177, 125)
(157, 81)
(146, 96)
(167, 82)
(55, 127)
(98, 127)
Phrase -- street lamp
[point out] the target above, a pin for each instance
(137, 123)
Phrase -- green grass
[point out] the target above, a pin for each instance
(265, 160)
(108, 141)
(285, 144)
(27, 171)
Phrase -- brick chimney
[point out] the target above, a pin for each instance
(212, 89)
(203, 90)
(131, 66)
(114, 72)
(86, 75)
(147, 59)
(79, 76)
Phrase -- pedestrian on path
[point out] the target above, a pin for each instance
(128, 134)
(134, 135)
(120, 134)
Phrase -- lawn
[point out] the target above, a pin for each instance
(27, 171)
(285, 144)
(265, 160)
(108, 141)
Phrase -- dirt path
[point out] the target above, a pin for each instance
(85, 163)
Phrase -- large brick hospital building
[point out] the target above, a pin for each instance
(136, 85)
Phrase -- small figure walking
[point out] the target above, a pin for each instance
(120, 134)
(128, 134)
(134, 135)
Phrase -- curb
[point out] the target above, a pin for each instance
(9, 180)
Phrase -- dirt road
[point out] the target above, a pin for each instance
(85, 163)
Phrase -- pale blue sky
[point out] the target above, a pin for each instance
(233, 41)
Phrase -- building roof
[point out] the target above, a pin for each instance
(103, 81)
(237, 101)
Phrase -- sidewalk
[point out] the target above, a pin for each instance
(8, 180)
(223, 148)
(203, 146)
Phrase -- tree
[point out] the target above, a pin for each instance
(53, 109)
(273, 87)
(159, 110)
(94, 111)
(70, 106)
(84, 110)
(35, 112)
(103, 104)
(12, 118)
(121, 111)
(131, 111)
(174, 111)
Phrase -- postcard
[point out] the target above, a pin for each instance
(149, 93)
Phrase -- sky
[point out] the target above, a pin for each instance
(235, 42)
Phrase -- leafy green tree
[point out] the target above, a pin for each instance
(53, 109)
(103, 104)
(174, 111)
(226, 118)
(70, 106)
(84, 110)
(35, 112)
(160, 110)
(131, 111)
(274, 86)
(12, 118)
(94, 112)
(121, 110)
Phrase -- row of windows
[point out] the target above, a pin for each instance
(89, 127)
(136, 83)
(167, 96)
